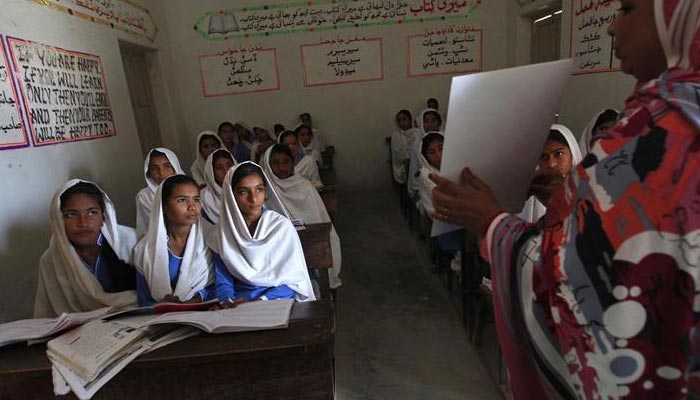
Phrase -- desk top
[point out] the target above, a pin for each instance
(311, 323)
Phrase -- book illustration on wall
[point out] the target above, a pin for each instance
(323, 15)
(445, 50)
(124, 15)
(590, 45)
(239, 70)
(13, 132)
(336, 61)
(64, 93)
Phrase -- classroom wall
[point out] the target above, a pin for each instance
(31, 175)
(354, 117)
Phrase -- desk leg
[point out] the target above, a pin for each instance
(324, 283)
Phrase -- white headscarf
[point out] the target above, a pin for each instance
(65, 284)
(211, 195)
(415, 163)
(151, 257)
(425, 185)
(306, 166)
(273, 256)
(585, 142)
(402, 142)
(197, 167)
(534, 210)
(313, 149)
(303, 202)
(144, 198)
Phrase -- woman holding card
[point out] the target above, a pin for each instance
(603, 302)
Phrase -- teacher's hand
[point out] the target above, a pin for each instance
(544, 184)
(472, 207)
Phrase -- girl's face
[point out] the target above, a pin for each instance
(434, 153)
(291, 142)
(305, 137)
(207, 146)
(262, 134)
(430, 123)
(250, 196)
(556, 157)
(604, 128)
(637, 43)
(183, 206)
(221, 167)
(403, 122)
(227, 135)
(282, 166)
(82, 220)
(159, 169)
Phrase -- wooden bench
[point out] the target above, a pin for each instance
(316, 242)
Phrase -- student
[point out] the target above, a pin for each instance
(402, 142)
(245, 141)
(304, 165)
(278, 129)
(604, 302)
(305, 119)
(160, 163)
(432, 103)
(86, 265)
(301, 199)
(309, 143)
(430, 121)
(207, 142)
(257, 251)
(215, 169)
(597, 127)
(559, 156)
(263, 141)
(230, 139)
(173, 261)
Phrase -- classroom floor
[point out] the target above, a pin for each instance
(397, 335)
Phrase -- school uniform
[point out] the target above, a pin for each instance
(197, 168)
(144, 198)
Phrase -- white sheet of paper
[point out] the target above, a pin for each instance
(497, 124)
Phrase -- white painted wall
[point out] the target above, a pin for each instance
(31, 175)
(354, 117)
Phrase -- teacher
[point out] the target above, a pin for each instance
(604, 302)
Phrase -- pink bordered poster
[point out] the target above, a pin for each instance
(239, 70)
(342, 60)
(455, 49)
(12, 128)
(64, 93)
(590, 46)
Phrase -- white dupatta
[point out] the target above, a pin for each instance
(273, 255)
(402, 142)
(64, 283)
(313, 149)
(414, 165)
(303, 202)
(197, 168)
(211, 194)
(144, 198)
(306, 166)
(151, 258)
(585, 142)
(425, 185)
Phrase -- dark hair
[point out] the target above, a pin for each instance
(277, 128)
(245, 170)
(170, 183)
(221, 125)
(287, 133)
(281, 149)
(298, 129)
(156, 153)
(606, 116)
(406, 113)
(432, 100)
(207, 136)
(85, 188)
(219, 154)
(428, 139)
(304, 114)
(556, 136)
(437, 115)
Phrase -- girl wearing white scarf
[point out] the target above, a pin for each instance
(430, 121)
(207, 142)
(66, 283)
(309, 142)
(304, 165)
(263, 140)
(301, 200)
(599, 125)
(402, 142)
(534, 209)
(267, 263)
(155, 170)
(429, 163)
(245, 139)
(167, 273)
(217, 165)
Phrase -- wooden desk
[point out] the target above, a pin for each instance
(293, 363)
(327, 156)
(327, 175)
(316, 241)
(330, 199)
